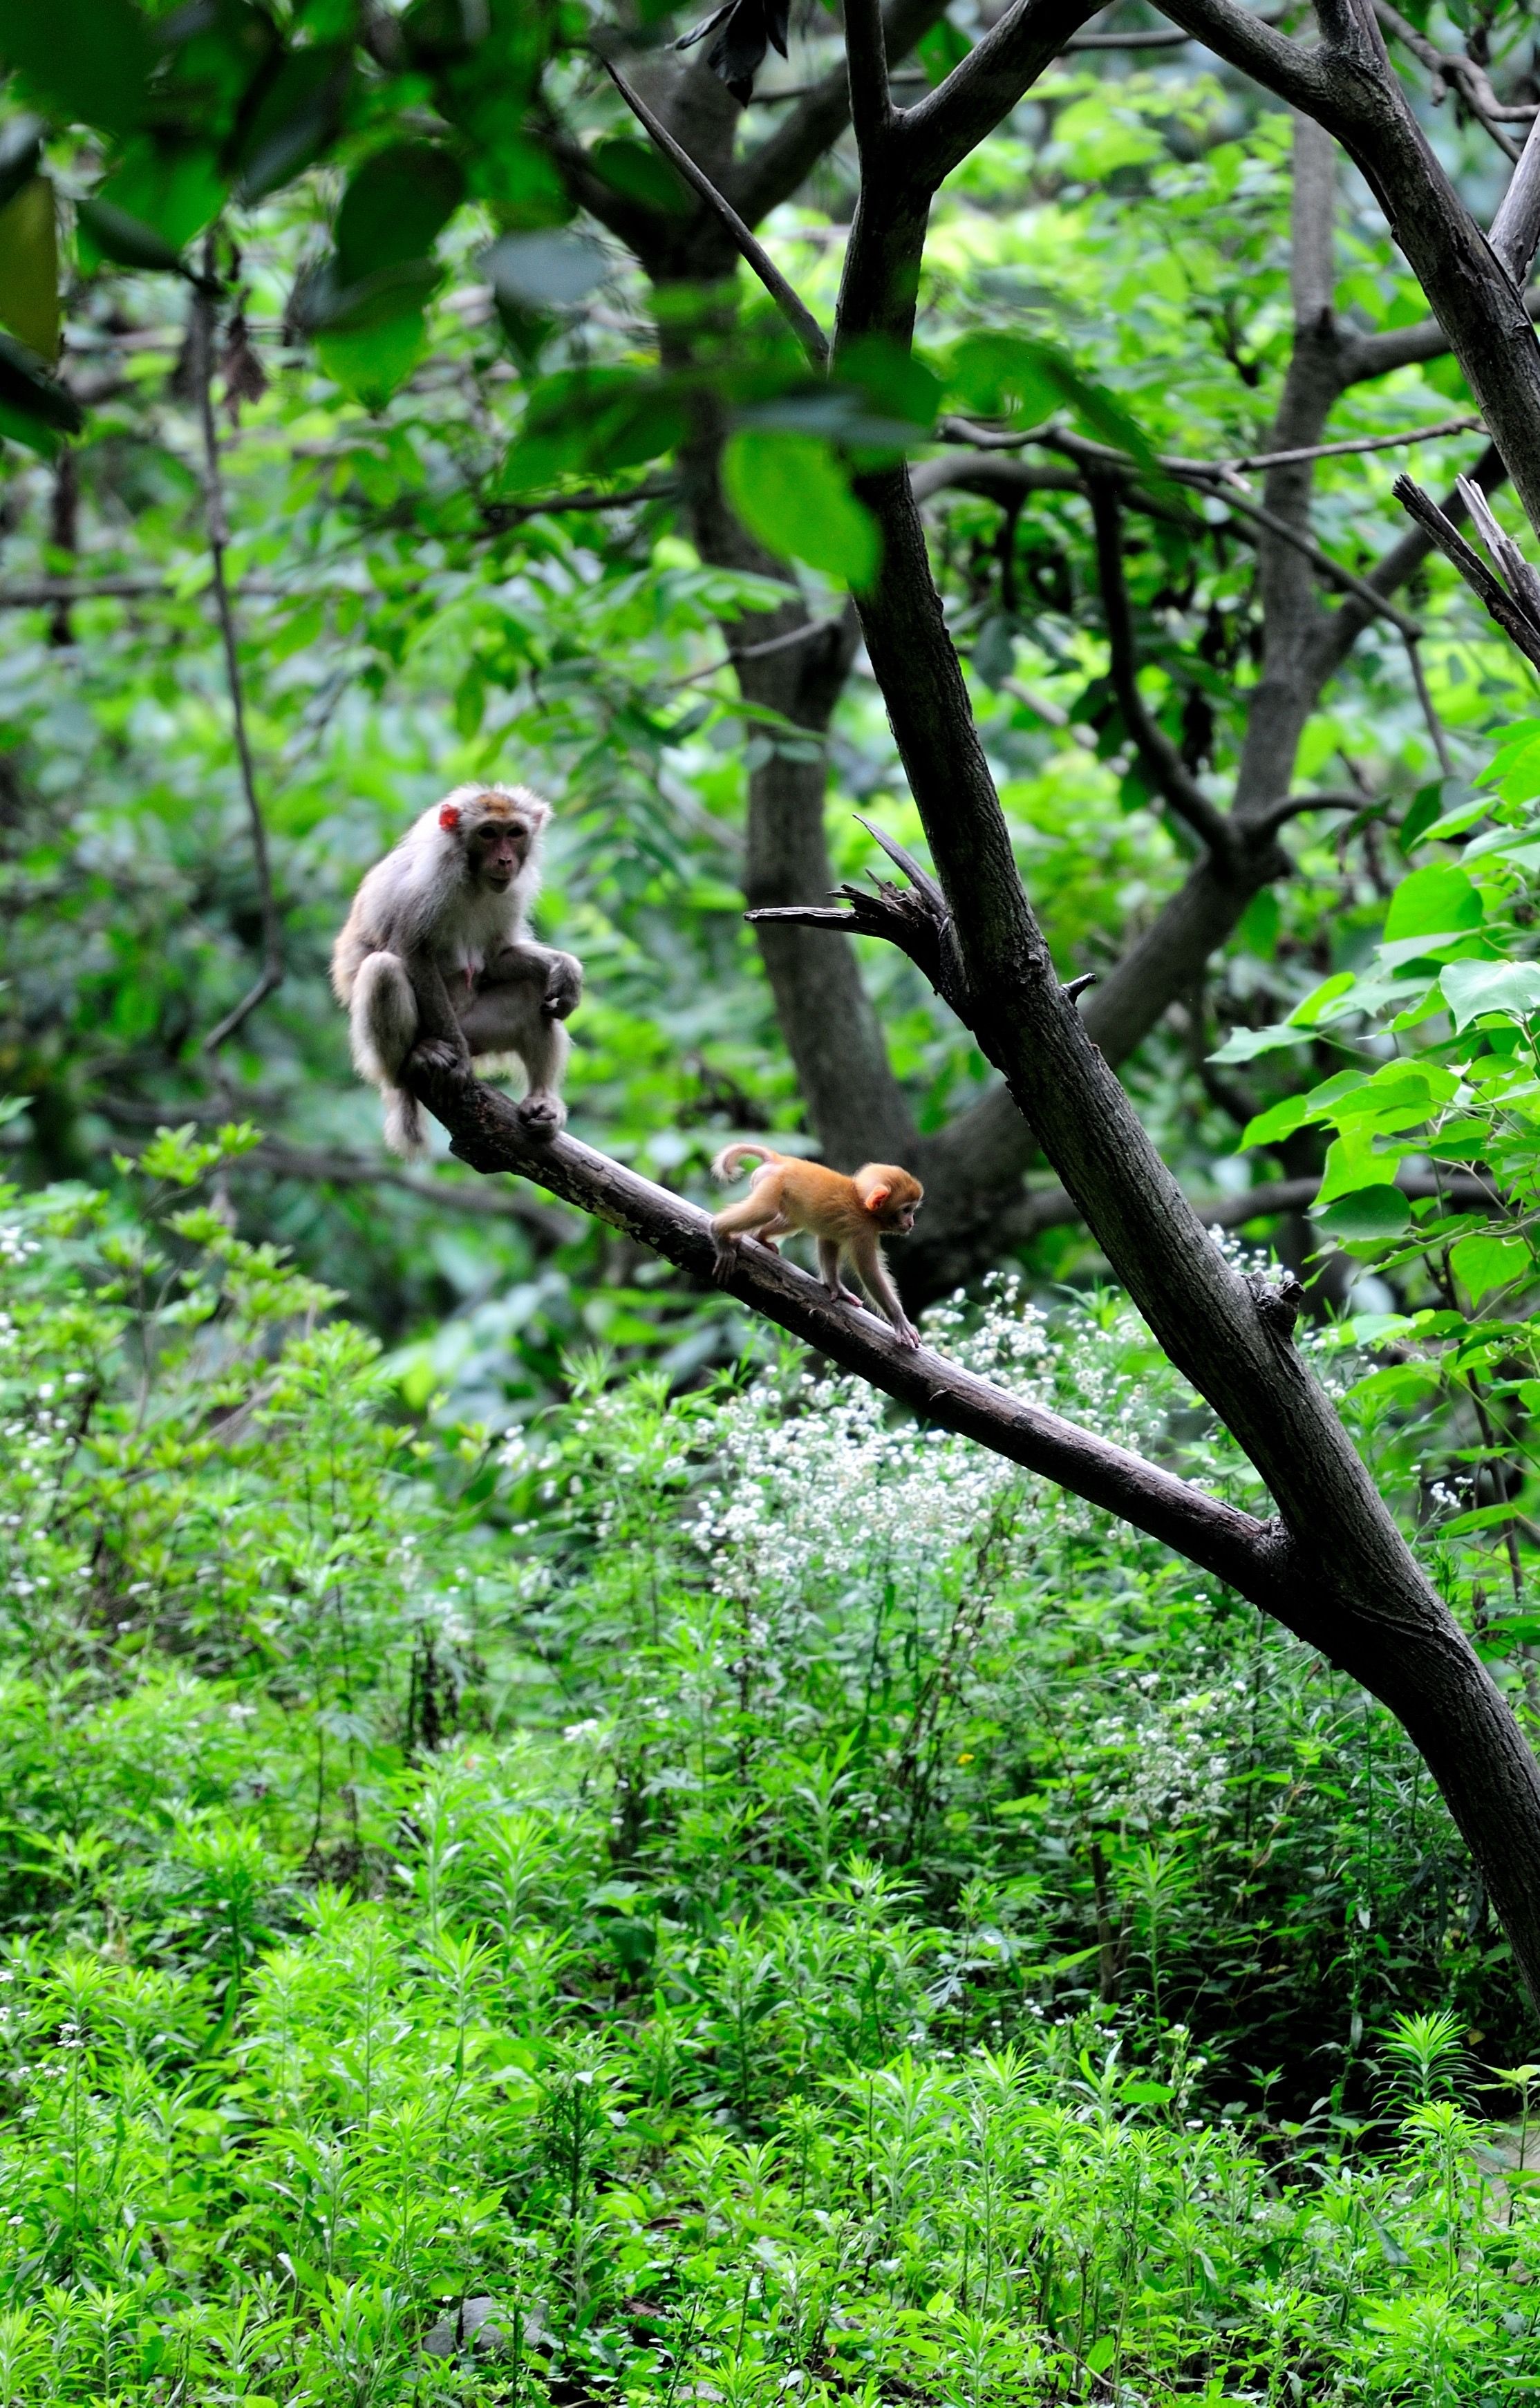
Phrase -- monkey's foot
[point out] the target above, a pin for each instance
(726, 1261)
(906, 1334)
(437, 1053)
(769, 1243)
(541, 1114)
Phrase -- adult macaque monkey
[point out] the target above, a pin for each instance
(847, 1217)
(435, 957)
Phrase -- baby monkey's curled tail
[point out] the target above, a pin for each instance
(732, 1158)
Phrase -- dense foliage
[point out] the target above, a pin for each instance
(750, 1896)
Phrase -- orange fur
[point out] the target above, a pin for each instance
(847, 1217)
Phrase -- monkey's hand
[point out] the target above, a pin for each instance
(563, 986)
(727, 1259)
(906, 1334)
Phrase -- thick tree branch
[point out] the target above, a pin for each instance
(1516, 613)
(981, 90)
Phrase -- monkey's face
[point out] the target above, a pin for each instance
(499, 849)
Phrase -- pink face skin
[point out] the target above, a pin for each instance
(496, 848)
(902, 1222)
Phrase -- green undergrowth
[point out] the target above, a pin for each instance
(710, 1898)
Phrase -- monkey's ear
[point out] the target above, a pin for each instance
(876, 1197)
(449, 815)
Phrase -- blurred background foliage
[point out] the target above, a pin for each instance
(408, 618)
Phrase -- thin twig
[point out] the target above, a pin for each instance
(1359, 443)
(219, 537)
(984, 438)
(1435, 725)
(1453, 67)
(756, 651)
(799, 317)
(1163, 762)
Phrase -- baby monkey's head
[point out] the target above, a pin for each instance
(498, 828)
(891, 1196)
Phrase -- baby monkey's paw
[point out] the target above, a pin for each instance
(541, 1114)
(906, 1334)
(727, 1260)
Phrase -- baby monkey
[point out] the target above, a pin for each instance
(846, 1216)
(437, 934)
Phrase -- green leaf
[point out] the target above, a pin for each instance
(638, 173)
(1433, 902)
(1420, 815)
(522, 185)
(396, 206)
(1366, 1213)
(1016, 376)
(944, 47)
(107, 231)
(1100, 2354)
(90, 59)
(323, 304)
(371, 362)
(31, 395)
(539, 271)
(790, 491)
(1280, 1121)
(1258, 924)
(29, 268)
(1244, 1044)
(1352, 1163)
(172, 187)
(1470, 988)
(892, 382)
(1330, 990)
(1484, 1262)
(300, 113)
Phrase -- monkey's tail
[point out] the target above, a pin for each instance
(732, 1158)
(405, 1132)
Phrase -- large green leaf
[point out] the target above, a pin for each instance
(1482, 1263)
(637, 172)
(791, 492)
(1470, 988)
(1365, 1213)
(173, 187)
(29, 268)
(300, 114)
(1433, 903)
(89, 59)
(372, 361)
(1017, 377)
(324, 304)
(396, 206)
(107, 232)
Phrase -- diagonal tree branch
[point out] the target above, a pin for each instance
(1249, 1554)
(799, 317)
